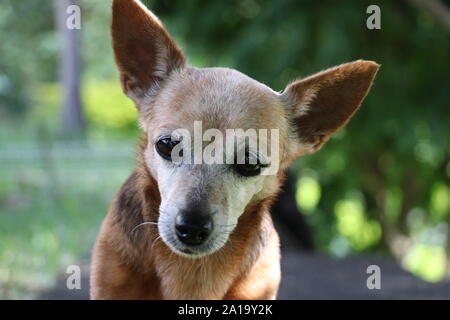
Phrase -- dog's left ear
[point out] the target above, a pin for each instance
(321, 104)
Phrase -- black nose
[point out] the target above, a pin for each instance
(193, 229)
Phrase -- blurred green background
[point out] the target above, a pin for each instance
(380, 186)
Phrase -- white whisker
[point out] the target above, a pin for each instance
(143, 224)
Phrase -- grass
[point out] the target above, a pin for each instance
(52, 201)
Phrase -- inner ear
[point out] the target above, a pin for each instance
(321, 104)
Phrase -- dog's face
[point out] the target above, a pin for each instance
(206, 173)
(209, 196)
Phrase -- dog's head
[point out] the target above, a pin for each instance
(208, 173)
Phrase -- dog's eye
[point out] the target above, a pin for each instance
(164, 147)
(248, 170)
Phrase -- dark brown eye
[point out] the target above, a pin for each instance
(248, 169)
(164, 147)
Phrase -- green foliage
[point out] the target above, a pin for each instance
(352, 223)
(108, 111)
(25, 55)
(427, 261)
(108, 108)
(308, 193)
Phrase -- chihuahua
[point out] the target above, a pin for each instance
(197, 230)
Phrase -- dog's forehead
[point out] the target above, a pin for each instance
(219, 97)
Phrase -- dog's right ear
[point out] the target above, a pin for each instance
(145, 54)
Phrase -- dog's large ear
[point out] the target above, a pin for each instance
(144, 51)
(323, 103)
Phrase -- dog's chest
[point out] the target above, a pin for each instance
(183, 278)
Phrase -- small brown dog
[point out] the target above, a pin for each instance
(204, 231)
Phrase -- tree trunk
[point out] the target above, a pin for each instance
(72, 119)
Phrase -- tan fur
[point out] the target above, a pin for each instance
(133, 262)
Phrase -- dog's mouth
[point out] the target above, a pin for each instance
(209, 247)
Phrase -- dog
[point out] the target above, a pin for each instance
(204, 231)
